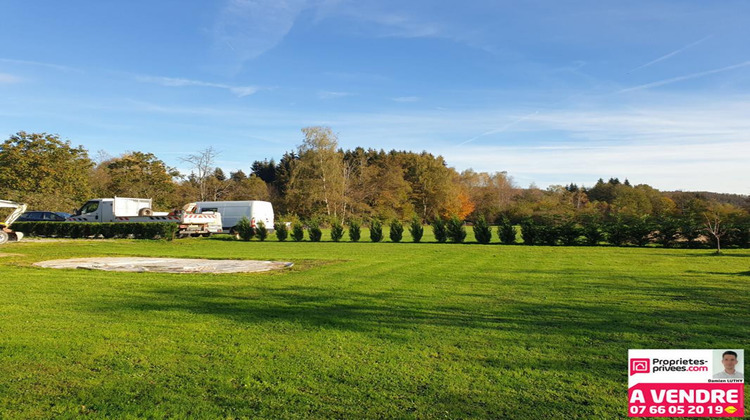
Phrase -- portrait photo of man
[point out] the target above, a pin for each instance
(729, 360)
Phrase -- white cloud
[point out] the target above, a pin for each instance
(406, 99)
(245, 29)
(240, 91)
(8, 79)
(327, 94)
(40, 64)
(670, 142)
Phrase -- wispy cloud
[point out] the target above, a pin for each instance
(406, 99)
(9, 79)
(327, 94)
(40, 64)
(501, 129)
(671, 54)
(240, 91)
(245, 29)
(686, 77)
(668, 141)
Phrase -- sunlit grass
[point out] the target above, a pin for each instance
(355, 329)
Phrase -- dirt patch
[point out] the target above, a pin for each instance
(166, 265)
(9, 254)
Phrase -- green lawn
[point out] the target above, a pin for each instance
(355, 329)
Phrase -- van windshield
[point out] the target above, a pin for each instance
(89, 207)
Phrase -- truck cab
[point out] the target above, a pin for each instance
(106, 210)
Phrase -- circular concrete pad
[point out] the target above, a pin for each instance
(166, 265)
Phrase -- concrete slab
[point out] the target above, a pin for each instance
(165, 265)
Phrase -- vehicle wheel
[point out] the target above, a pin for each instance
(206, 235)
(3, 237)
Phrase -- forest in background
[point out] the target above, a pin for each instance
(322, 182)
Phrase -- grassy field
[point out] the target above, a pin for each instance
(355, 330)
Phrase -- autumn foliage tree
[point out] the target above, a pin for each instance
(44, 171)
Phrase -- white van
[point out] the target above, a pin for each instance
(233, 211)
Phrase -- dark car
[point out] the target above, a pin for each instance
(43, 216)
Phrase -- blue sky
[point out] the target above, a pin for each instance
(550, 91)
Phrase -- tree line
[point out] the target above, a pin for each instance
(321, 183)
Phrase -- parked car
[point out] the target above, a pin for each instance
(43, 216)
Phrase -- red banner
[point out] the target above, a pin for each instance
(686, 400)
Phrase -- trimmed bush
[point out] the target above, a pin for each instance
(569, 233)
(455, 230)
(617, 232)
(397, 231)
(639, 230)
(482, 231)
(298, 232)
(376, 231)
(438, 229)
(668, 231)
(281, 231)
(506, 232)
(547, 232)
(416, 230)
(245, 229)
(337, 230)
(592, 232)
(261, 231)
(691, 230)
(313, 230)
(354, 230)
(529, 231)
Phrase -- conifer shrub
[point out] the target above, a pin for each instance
(529, 231)
(455, 230)
(261, 231)
(617, 232)
(376, 231)
(592, 232)
(690, 229)
(355, 230)
(397, 231)
(569, 232)
(547, 233)
(416, 229)
(438, 229)
(281, 231)
(668, 231)
(337, 230)
(639, 229)
(313, 230)
(298, 232)
(245, 229)
(506, 232)
(482, 231)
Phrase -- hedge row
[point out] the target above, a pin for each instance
(638, 231)
(153, 230)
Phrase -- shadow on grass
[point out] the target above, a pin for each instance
(718, 273)
(721, 255)
(606, 312)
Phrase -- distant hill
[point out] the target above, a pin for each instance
(739, 200)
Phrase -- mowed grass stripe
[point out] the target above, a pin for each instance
(355, 329)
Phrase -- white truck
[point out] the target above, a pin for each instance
(233, 211)
(139, 210)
